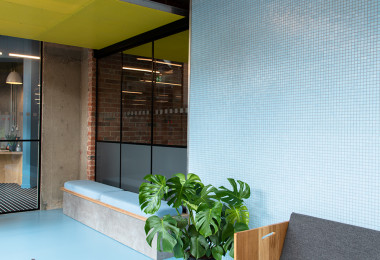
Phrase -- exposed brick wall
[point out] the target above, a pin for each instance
(109, 94)
(170, 105)
(91, 127)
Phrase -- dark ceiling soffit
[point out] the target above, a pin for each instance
(159, 6)
(149, 36)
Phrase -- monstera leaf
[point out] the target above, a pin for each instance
(206, 195)
(182, 190)
(178, 248)
(237, 214)
(166, 231)
(217, 252)
(151, 194)
(198, 246)
(207, 219)
(235, 196)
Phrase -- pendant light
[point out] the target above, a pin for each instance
(14, 78)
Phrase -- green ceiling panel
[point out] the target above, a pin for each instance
(85, 23)
(173, 48)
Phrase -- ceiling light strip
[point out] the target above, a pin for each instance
(137, 69)
(24, 56)
(161, 62)
(163, 83)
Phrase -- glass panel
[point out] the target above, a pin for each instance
(109, 95)
(135, 164)
(19, 89)
(137, 99)
(170, 94)
(137, 116)
(108, 163)
(169, 160)
(19, 169)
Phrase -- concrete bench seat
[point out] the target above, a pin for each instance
(113, 212)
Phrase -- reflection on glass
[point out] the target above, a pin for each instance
(19, 89)
(170, 118)
(136, 100)
(109, 76)
(153, 102)
(19, 176)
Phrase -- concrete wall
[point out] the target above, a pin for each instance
(64, 120)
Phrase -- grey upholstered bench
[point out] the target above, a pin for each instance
(308, 238)
(113, 212)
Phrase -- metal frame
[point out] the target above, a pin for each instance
(148, 37)
(39, 140)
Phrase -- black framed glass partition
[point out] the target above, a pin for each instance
(142, 113)
(20, 93)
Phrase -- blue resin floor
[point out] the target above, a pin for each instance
(50, 235)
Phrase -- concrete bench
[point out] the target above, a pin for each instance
(308, 238)
(113, 212)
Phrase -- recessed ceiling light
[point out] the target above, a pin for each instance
(24, 56)
(161, 62)
(163, 83)
(137, 69)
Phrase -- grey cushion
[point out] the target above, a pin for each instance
(319, 239)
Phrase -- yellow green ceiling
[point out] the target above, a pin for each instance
(91, 24)
(174, 48)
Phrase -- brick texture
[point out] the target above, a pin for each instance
(91, 116)
(135, 90)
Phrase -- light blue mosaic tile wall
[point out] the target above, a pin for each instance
(285, 95)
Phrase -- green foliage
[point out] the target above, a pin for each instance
(151, 194)
(214, 215)
(207, 219)
(165, 228)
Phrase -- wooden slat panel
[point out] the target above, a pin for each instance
(250, 244)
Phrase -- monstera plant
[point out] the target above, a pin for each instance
(213, 215)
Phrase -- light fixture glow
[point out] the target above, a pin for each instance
(140, 100)
(163, 83)
(132, 92)
(14, 78)
(24, 56)
(137, 69)
(1, 53)
(161, 62)
(163, 95)
(162, 101)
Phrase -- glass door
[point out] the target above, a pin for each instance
(19, 124)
